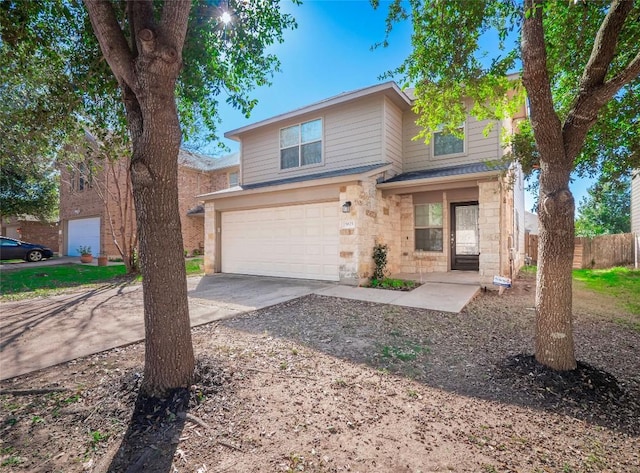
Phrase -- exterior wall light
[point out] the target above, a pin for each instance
(346, 207)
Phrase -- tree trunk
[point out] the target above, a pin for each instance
(168, 349)
(554, 345)
(154, 170)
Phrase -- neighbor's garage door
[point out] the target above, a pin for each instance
(297, 241)
(83, 232)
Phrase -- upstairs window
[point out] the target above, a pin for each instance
(81, 177)
(233, 179)
(447, 143)
(301, 145)
(428, 227)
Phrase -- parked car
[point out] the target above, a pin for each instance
(16, 249)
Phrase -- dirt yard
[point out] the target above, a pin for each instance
(322, 384)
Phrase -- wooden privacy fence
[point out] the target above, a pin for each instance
(604, 251)
(531, 248)
(600, 252)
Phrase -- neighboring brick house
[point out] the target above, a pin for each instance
(95, 208)
(32, 230)
(321, 185)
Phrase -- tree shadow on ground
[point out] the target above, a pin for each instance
(153, 434)
(477, 354)
(156, 425)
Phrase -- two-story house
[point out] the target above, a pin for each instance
(96, 204)
(321, 185)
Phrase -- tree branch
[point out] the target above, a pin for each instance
(536, 80)
(604, 46)
(594, 92)
(631, 72)
(175, 18)
(111, 39)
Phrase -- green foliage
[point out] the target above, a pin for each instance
(380, 260)
(606, 209)
(395, 284)
(84, 250)
(448, 64)
(50, 100)
(28, 189)
(56, 83)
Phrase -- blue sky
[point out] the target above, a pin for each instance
(329, 53)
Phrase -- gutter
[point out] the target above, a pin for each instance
(239, 191)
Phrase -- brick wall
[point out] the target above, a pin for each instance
(192, 183)
(119, 223)
(76, 203)
(42, 233)
(110, 200)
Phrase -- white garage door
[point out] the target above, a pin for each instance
(297, 241)
(83, 232)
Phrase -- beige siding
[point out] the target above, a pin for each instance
(393, 135)
(635, 203)
(478, 147)
(353, 136)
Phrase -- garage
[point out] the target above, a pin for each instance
(83, 232)
(296, 241)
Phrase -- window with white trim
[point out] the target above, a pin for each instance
(428, 227)
(233, 179)
(447, 143)
(301, 145)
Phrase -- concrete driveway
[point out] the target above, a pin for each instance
(42, 332)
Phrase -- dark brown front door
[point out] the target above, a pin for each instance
(465, 237)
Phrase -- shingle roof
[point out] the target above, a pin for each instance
(389, 88)
(449, 171)
(310, 177)
(203, 162)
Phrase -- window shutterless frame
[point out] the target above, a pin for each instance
(428, 227)
(448, 144)
(301, 144)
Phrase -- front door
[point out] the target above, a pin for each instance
(465, 236)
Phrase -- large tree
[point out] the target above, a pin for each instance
(167, 62)
(580, 62)
(606, 209)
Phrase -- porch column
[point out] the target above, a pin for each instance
(489, 224)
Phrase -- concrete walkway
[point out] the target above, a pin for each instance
(42, 332)
(444, 297)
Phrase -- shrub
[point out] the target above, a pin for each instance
(380, 259)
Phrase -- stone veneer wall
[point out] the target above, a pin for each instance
(491, 226)
(373, 219)
(210, 237)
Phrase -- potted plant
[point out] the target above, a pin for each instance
(85, 254)
(102, 259)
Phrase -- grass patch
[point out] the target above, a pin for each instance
(41, 281)
(393, 284)
(55, 277)
(194, 266)
(409, 352)
(621, 283)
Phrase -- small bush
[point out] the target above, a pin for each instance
(380, 259)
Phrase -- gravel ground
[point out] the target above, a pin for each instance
(329, 385)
